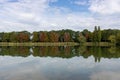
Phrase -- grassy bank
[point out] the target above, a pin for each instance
(39, 44)
(55, 44)
(99, 44)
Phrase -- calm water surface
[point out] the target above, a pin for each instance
(59, 63)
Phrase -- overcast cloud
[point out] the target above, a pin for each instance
(36, 15)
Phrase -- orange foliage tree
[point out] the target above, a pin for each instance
(53, 37)
(23, 37)
(66, 37)
(43, 37)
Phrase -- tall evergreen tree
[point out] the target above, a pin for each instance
(99, 34)
(95, 34)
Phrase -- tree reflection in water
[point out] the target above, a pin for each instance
(63, 52)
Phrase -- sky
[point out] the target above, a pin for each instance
(37, 15)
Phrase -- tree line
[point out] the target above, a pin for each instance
(96, 36)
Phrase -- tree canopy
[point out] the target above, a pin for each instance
(98, 35)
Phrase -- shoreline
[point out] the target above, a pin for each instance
(55, 44)
(102, 44)
(39, 44)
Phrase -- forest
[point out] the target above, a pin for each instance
(65, 35)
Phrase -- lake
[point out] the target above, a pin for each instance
(60, 63)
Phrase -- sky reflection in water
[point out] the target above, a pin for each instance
(57, 68)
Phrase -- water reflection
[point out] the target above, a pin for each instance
(106, 75)
(15, 51)
(59, 63)
(62, 52)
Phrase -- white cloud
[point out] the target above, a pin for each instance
(37, 15)
(23, 13)
(105, 6)
(2, 1)
(31, 16)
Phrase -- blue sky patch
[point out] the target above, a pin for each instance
(70, 4)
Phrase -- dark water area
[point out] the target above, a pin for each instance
(60, 63)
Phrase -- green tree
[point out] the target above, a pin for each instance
(99, 34)
(1, 36)
(95, 34)
(6, 37)
(35, 37)
(76, 38)
(118, 38)
(80, 38)
(13, 37)
(112, 38)
(106, 34)
(87, 35)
